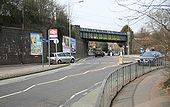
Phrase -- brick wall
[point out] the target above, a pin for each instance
(15, 46)
(81, 44)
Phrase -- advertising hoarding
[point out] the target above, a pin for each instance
(67, 43)
(36, 44)
(73, 45)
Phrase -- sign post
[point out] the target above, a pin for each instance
(52, 35)
(42, 53)
(56, 42)
(48, 51)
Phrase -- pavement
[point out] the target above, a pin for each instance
(88, 100)
(145, 91)
(12, 71)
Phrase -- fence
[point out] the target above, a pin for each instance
(121, 77)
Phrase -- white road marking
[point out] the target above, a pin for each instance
(61, 106)
(72, 96)
(97, 83)
(8, 95)
(29, 88)
(48, 82)
(83, 92)
(80, 92)
(94, 63)
(63, 78)
(27, 77)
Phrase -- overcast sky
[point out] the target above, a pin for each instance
(107, 14)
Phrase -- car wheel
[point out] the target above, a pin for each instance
(139, 63)
(52, 62)
(72, 61)
(59, 61)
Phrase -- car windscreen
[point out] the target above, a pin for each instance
(60, 54)
(67, 54)
(152, 54)
(158, 54)
(51, 55)
(148, 54)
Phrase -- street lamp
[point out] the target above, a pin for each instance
(128, 34)
(69, 21)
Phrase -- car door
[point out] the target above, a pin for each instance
(67, 57)
(62, 57)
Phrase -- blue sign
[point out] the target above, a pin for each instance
(142, 50)
(45, 40)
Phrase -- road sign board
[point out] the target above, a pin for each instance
(56, 41)
(45, 40)
(53, 33)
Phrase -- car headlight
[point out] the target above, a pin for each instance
(151, 59)
(53, 58)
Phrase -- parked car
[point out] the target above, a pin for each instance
(61, 57)
(149, 57)
(98, 52)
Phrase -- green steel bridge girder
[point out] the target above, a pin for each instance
(103, 35)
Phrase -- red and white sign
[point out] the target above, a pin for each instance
(53, 33)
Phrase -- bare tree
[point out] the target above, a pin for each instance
(159, 15)
(143, 8)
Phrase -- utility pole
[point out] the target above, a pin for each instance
(69, 21)
(22, 33)
(128, 34)
(69, 26)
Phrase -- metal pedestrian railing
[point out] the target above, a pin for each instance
(120, 77)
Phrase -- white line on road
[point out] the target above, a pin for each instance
(8, 95)
(12, 94)
(27, 77)
(29, 88)
(48, 82)
(80, 92)
(61, 106)
(83, 92)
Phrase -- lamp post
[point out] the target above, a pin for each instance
(128, 34)
(69, 21)
(20, 57)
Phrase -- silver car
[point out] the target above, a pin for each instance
(61, 57)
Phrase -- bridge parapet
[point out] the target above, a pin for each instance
(102, 35)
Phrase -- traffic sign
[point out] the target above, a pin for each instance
(56, 41)
(53, 33)
(45, 40)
